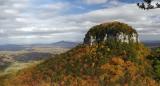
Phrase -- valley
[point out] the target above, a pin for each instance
(16, 57)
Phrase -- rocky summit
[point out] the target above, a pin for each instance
(112, 31)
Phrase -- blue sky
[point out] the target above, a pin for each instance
(47, 21)
(81, 6)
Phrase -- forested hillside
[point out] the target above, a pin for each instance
(110, 63)
(97, 65)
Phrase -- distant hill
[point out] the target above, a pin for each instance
(152, 44)
(60, 44)
(11, 47)
(65, 44)
(32, 56)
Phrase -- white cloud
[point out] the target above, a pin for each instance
(95, 1)
(1, 31)
(56, 6)
(11, 11)
(145, 22)
(45, 24)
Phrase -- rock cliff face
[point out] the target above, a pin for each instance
(113, 31)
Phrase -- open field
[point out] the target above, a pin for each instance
(13, 61)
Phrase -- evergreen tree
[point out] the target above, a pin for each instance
(147, 4)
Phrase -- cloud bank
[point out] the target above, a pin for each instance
(26, 21)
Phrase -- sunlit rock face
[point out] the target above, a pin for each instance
(113, 31)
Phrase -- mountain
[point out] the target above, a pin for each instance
(112, 31)
(96, 65)
(109, 63)
(65, 44)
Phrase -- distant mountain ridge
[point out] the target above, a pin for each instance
(11, 47)
(65, 44)
(61, 44)
(152, 44)
(16, 47)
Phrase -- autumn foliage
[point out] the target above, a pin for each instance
(97, 65)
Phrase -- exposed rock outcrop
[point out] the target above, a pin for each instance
(116, 31)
